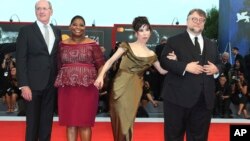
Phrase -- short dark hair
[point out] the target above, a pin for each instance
(77, 17)
(235, 48)
(199, 11)
(140, 21)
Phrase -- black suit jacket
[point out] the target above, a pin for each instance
(35, 66)
(184, 89)
(158, 50)
(238, 57)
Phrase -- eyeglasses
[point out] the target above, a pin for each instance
(200, 20)
(42, 8)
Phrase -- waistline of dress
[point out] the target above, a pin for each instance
(78, 64)
(130, 72)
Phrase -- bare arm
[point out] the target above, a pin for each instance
(100, 79)
(159, 68)
(243, 89)
(4, 63)
(150, 98)
(157, 65)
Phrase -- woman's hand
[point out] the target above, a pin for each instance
(98, 83)
(172, 56)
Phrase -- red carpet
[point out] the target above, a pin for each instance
(143, 131)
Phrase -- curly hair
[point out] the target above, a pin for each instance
(77, 17)
(139, 22)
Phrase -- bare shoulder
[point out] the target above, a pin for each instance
(88, 40)
(67, 41)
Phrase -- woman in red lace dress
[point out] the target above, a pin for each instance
(80, 60)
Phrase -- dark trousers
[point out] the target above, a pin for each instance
(194, 121)
(39, 114)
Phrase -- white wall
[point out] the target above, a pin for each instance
(107, 12)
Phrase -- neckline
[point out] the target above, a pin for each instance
(136, 55)
(77, 43)
(78, 40)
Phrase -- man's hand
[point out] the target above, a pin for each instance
(210, 69)
(26, 93)
(194, 67)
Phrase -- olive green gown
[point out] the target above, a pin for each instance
(126, 92)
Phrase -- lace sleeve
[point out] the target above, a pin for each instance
(98, 56)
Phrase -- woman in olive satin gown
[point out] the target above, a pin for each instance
(128, 81)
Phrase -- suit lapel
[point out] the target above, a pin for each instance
(204, 52)
(38, 33)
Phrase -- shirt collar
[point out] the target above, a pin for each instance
(192, 36)
(40, 24)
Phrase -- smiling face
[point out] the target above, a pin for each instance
(77, 27)
(43, 11)
(195, 22)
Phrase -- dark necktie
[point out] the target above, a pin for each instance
(197, 45)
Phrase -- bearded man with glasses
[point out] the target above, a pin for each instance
(189, 86)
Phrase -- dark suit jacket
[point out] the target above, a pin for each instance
(184, 90)
(158, 50)
(238, 57)
(35, 66)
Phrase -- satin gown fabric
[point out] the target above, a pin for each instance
(127, 91)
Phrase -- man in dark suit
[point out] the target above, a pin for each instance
(36, 57)
(237, 55)
(189, 85)
(159, 48)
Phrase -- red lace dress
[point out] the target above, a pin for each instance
(77, 96)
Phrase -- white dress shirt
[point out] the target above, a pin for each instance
(51, 35)
(200, 40)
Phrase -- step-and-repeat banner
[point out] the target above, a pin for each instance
(105, 36)
(234, 25)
